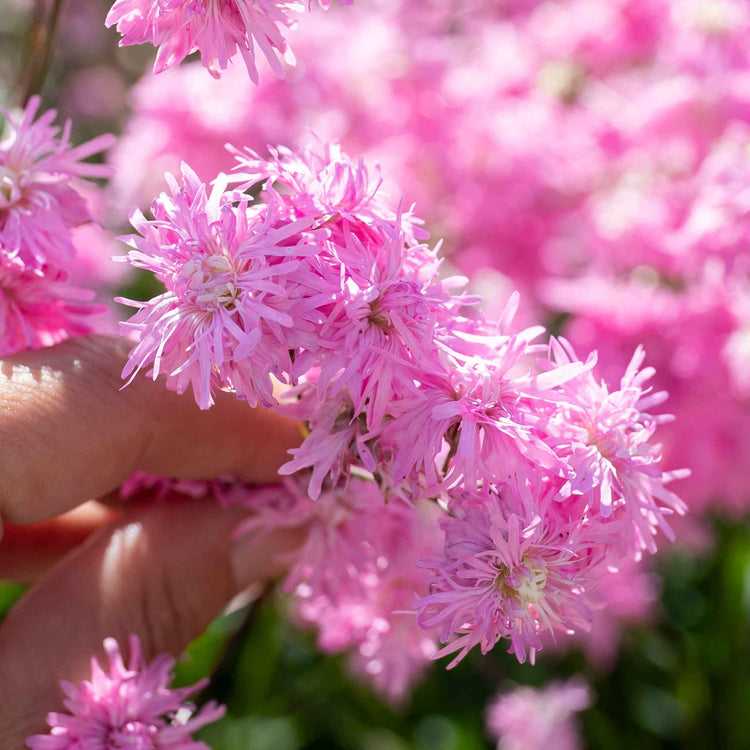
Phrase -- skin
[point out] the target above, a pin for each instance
(160, 570)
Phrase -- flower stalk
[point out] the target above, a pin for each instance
(40, 43)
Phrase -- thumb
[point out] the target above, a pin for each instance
(163, 572)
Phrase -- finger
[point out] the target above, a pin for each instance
(163, 572)
(69, 434)
(28, 551)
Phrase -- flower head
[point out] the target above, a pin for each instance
(228, 267)
(127, 707)
(324, 182)
(36, 311)
(606, 440)
(215, 28)
(514, 566)
(38, 204)
(405, 395)
(534, 719)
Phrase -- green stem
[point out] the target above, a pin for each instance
(40, 44)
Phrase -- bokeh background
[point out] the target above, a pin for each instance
(593, 154)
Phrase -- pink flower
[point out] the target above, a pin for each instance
(162, 488)
(689, 334)
(36, 311)
(355, 576)
(516, 565)
(38, 204)
(215, 28)
(127, 707)
(335, 437)
(481, 411)
(226, 265)
(605, 438)
(344, 527)
(536, 719)
(386, 326)
(323, 181)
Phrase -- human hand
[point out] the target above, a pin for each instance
(160, 570)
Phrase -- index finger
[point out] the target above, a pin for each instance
(69, 434)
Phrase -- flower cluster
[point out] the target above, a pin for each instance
(628, 218)
(39, 209)
(543, 475)
(505, 122)
(215, 28)
(127, 706)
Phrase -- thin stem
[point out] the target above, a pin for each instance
(39, 47)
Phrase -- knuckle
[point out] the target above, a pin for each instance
(165, 615)
(152, 597)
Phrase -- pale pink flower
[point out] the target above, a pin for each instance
(481, 410)
(335, 437)
(324, 182)
(345, 528)
(355, 576)
(605, 437)
(387, 325)
(162, 488)
(516, 566)
(226, 491)
(127, 707)
(38, 204)
(215, 28)
(687, 333)
(226, 266)
(539, 718)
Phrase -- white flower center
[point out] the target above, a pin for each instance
(525, 583)
(210, 282)
(531, 589)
